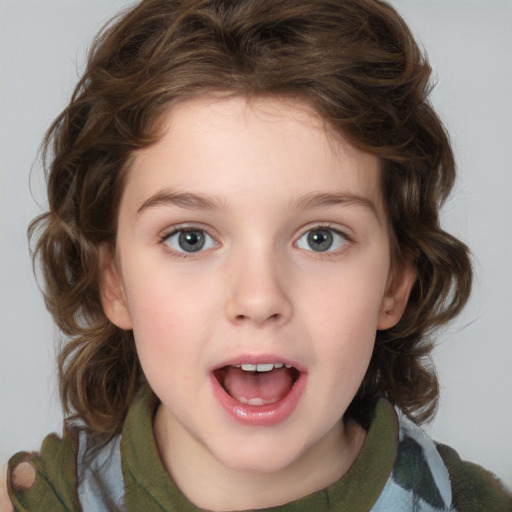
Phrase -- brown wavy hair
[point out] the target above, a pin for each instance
(354, 61)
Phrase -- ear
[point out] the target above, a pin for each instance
(113, 297)
(394, 302)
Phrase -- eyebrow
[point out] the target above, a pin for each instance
(324, 200)
(182, 199)
(195, 201)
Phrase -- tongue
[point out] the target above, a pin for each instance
(257, 388)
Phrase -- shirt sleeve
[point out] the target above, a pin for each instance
(55, 485)
(474, 489)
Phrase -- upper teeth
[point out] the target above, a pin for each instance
(262, 367)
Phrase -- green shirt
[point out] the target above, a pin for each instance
(398, 469)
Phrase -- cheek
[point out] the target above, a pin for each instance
(153, 307)
(158, 295)
(171, 312)
(164, 341)
(349, 298)
(343, 315)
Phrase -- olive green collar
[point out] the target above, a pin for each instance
(149, 487)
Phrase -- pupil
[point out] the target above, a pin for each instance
(320, 240)
(191, 241)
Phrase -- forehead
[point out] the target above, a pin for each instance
(233, 148)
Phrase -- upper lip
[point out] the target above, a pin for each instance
(256, 359)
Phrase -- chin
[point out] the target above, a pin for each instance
(260, 457)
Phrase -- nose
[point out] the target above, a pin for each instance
(258, 292)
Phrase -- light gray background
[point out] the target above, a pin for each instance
(42, 47)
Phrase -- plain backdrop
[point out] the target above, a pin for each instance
(42, 49)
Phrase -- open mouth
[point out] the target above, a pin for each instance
(257, 384)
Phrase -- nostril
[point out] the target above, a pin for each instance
(274, 317)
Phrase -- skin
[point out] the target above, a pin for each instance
(269, 170)
(5, 502)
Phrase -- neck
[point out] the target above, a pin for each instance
(209, 484)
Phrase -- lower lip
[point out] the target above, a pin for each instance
(265, 415)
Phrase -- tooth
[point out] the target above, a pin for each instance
(256, 401)
(243, 400)
(261, 367)
(264, 367)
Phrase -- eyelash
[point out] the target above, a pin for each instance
(328, 253)
(165, 237)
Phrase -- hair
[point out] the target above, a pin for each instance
(354, 62)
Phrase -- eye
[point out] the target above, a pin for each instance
(321, 240)
(189, 240)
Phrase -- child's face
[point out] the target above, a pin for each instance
(249, 235)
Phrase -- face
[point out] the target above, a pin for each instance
(253, 266)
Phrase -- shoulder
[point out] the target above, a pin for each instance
(474, 488)
(69, 474)
(77, 471)
(435, 473)
(46, 479)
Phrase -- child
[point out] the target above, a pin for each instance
(243, 249)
